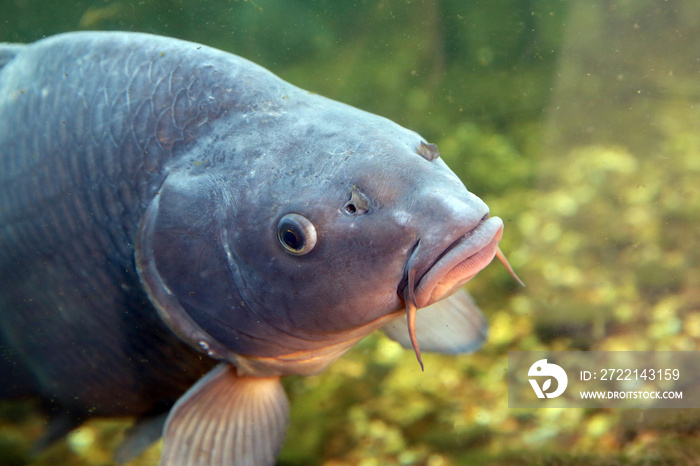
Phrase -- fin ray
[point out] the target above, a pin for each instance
(225, 419)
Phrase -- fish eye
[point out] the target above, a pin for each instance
(296, 234)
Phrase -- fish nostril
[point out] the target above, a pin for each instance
(428, 151)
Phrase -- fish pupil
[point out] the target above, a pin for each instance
(292, 239)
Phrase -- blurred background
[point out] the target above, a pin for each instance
(576, 121)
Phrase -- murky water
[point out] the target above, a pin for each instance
(576, 121)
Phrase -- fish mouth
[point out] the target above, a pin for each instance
(465, 257)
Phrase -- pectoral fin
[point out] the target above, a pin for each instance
(451, 326)
(59, 426)
(139, 437)
(225, 420)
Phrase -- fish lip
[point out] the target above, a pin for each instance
(458, 263)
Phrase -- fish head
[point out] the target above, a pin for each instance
(310, 242)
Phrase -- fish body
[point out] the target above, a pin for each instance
(168, 210)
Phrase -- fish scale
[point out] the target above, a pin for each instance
(85, 234)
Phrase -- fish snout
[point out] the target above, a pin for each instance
(458, 240)
(459, 262)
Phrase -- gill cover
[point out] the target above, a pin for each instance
(180, 258)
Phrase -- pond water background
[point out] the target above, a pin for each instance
(576, 121)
